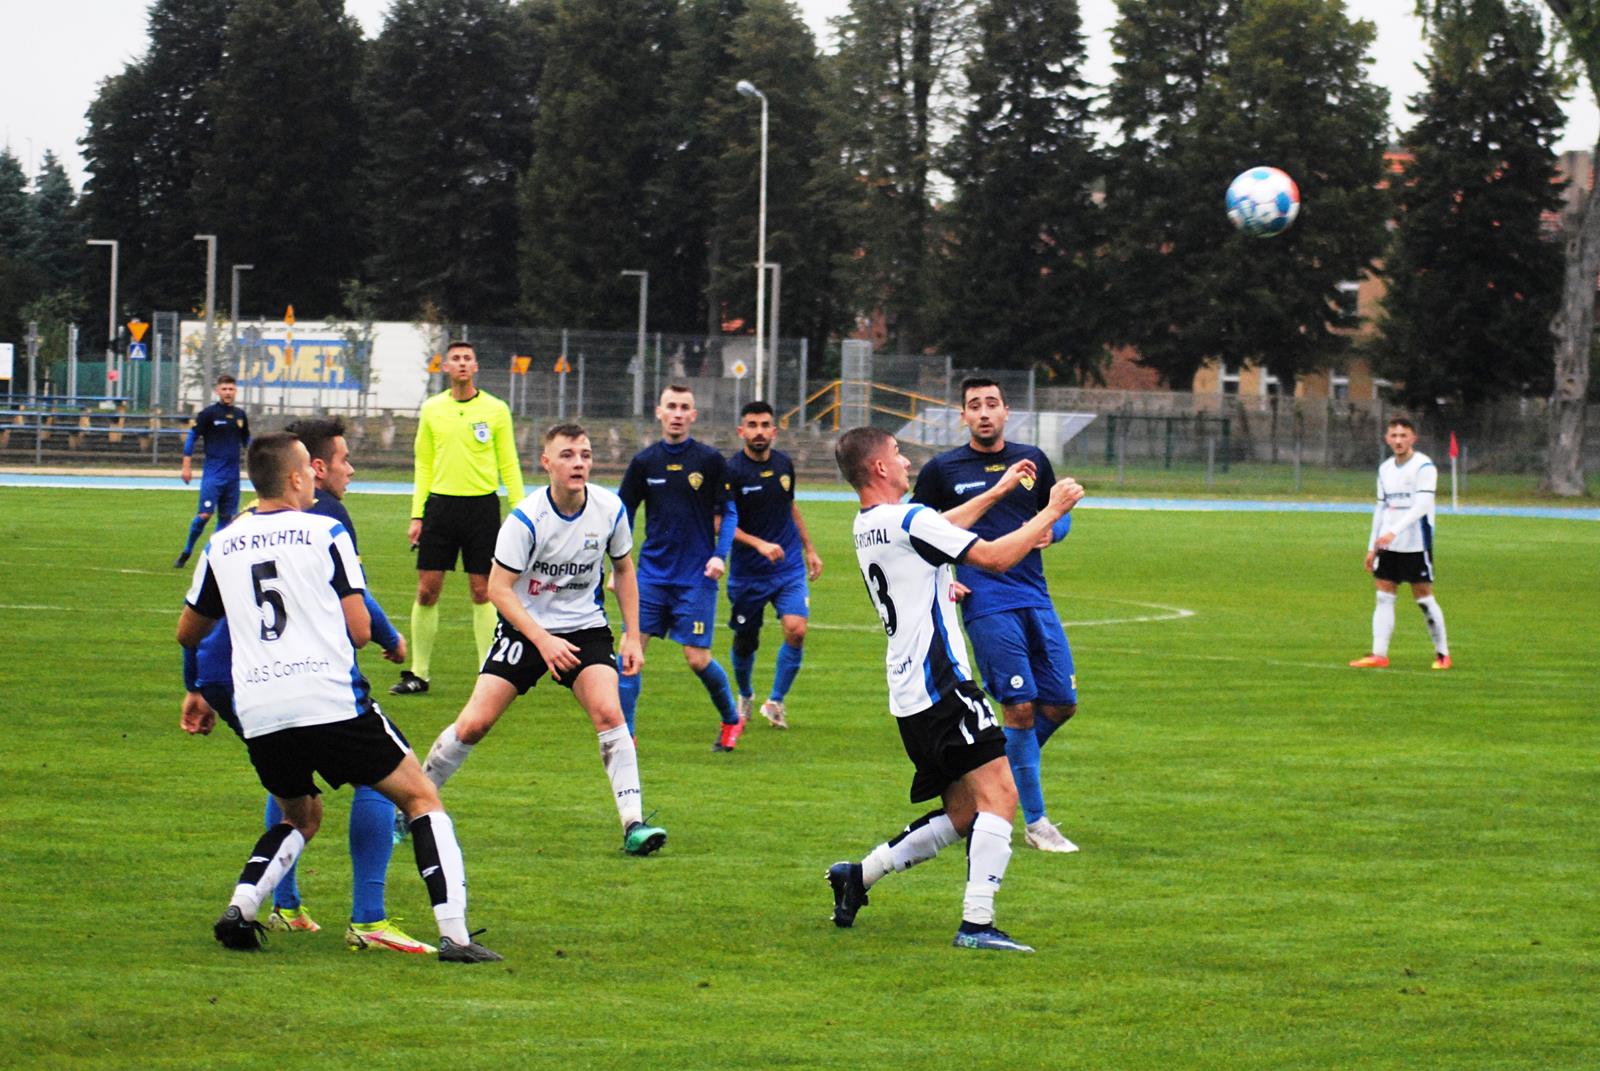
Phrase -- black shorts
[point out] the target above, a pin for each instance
(950, 739)
(1404, 567)
(455, 523)
(514, 658)
(357, 751)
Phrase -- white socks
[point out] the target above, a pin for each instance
(621, 760)
(263, 871)
(921, 841)
(433, 837)
(446, 756)
(1435, 619)
(1382, 624)
(988, 853)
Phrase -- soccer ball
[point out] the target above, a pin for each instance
(1263, 201)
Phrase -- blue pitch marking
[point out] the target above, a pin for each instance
(1200, 505)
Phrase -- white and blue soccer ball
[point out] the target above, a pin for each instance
(1263, 201)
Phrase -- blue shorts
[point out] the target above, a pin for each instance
(1024, 657)
(789, 595)
(219, 495)
(683, 613)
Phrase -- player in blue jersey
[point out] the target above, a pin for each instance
(773, 560)
(226, 432)
(209, 677)
(1017, 639)
(683, 486)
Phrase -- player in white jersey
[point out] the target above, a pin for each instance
(1400, 548)
(291, 588)
(950, 734)
(547, 583)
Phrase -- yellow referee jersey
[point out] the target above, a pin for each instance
(465, 448)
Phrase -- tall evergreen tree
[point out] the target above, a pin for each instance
(16, 280)
(55, 233)
(1473, 280)
(449, 99)
(1019, 284)
(279, 182)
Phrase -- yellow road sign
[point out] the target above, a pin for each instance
(137, 328)
(288, 316)
(562, 364)
(519, 365)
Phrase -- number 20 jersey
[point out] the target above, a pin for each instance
(278, 577)
(559, 559)
(905, 552)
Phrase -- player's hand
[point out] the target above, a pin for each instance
(632, 654)
(187, 474)
(397, 653)
(558, 654)
(715, 567)
(770, 551)
(958, 591)
(1022, 470)
(1384, 540)
(1372, 560)
(197, 717)
(611, 580)
(1064, 495)
(414, 532)
(1045, 540)
(813, 565)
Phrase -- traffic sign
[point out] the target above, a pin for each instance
(435, 363)
(137, 352)
(740, 369)
(563, 366)
(519, 365)
(137, 328)
(288, 316)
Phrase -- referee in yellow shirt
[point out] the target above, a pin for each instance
(465, 450)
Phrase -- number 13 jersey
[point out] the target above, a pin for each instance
(905, 552)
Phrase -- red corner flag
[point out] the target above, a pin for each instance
(1455, 451)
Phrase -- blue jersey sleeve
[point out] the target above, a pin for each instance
(191, 669)
(384, 633)
(730, 521)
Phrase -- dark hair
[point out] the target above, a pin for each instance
(318, 434)
(226, 378)
(973, 382)
(856, 449)
(1400, 421)
(676, 388)
(566, 431)
(460, 344)
(757, 406)
(269, 462)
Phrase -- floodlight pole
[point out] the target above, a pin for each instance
(111, 305)
(748, 89)
(638, 352)
(233, 317)
(207, 373)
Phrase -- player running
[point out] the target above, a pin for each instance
(772, 561)
(1400, 549)
(905, 551)
(291, 588)
(683, 486)
(226, 432)
(546, 583)
(1017, 639)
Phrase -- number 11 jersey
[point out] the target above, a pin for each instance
(905, 552)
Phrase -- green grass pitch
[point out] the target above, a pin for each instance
(1285, 864)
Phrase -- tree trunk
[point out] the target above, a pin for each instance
(1574, 331)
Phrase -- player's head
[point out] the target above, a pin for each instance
(460, 361)
(757, 427)
(323, 438)
(280, 468)
(1401, 435)
(676, 412)
(984, 410)
(567, 456)
(867, 456)
(227, 389)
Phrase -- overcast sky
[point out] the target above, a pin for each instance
(59, 50)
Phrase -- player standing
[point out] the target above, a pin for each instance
(905, 551)
(683, 486)
(208, 677)
(465, 449)
(226, 432)
(1400, 549)
(772, 561)
(291, 588)
(546, 582)
(1017, 639)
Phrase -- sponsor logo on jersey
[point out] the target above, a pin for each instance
(970, 485)
(748, 488)
(480, 431)
(1027, 483)
(766, 473)
(654, 480)
(784, 481)
(674, 468)
(994, 468)
(695, 480)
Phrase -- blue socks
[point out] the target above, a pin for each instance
(196, 526)
(1022, 752)
(371, 844)
(287, 892)
(716, 682)
(628, 692)
(743, 666)
(788, 666)
(1044, 728)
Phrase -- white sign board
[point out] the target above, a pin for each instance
(8, 357)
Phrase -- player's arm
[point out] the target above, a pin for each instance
(1421, 501)
(384, 634)
(421, 472)
(357, 622)
(626, 580)
(1043, 482)
(557, 653)
(968, 513)
(188, 449)
(770, 551)
(195, 717)
(631, 490)
(244, 429)
(505, 451)
(726, 526)
(998, 555)
(813, 559)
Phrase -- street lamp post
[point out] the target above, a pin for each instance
(772, 332)
(638, 354)
(111, 305)
(206, 371)
(233, 317)
(748, 89)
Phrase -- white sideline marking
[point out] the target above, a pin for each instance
(20, 606)
(94, 568)
(1167, 613)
